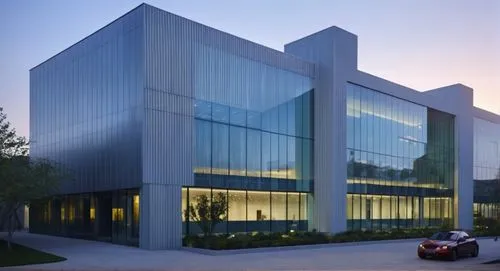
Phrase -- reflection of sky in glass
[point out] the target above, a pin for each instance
(367, 108)
(228, 79)
(276, 143)
(384, 124)
(486, 149)
(392, 139)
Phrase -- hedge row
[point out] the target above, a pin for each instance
(257, 240)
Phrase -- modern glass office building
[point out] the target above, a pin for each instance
(154, 112)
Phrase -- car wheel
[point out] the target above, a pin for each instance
(453, 255)
(475, 252)
(421, 256)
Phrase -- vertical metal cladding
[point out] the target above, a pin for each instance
(161, 225)
(167, 148)
(84, 107)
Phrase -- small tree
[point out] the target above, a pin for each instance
(208, 214)
(21, 179)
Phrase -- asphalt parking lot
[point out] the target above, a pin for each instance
(89, 255)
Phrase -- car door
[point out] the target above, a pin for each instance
(469, 243)
(460, 245)
(464, 244)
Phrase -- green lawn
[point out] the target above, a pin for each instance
(21, 255)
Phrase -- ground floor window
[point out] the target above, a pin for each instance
(111, 216)
(487, 210)
(369, 212)
(247, 211)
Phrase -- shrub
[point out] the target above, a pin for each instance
(260, 239)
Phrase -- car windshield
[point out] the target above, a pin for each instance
(444, 236)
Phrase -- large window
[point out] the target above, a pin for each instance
(399, 150)
(278, 211)
(238, 149)
(259, 211)
(486, 169)
(111, 216)
(242, 149)
(237, 210)
(252, 210)
(373, 212)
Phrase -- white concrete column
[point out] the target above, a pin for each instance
(335, 52)
(464, 179)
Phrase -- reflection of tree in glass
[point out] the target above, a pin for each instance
(405, 173)
(425, 170)
(391, 173)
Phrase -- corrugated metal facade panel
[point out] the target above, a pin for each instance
(161, 224)
(167, 148)
(84, 105)
(167, 102)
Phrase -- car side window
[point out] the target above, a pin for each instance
(464, 235)
(454, 236)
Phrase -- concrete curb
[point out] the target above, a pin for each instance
(212, 252)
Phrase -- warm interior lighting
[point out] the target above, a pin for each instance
(256, 205)
(117, 214)
(63, 213)
(361, 206)
(71, 213)
(280, 174)
(135, 210)
(396, 183)
(92, 213)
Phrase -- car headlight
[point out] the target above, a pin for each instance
(421, 246)
(444, 247)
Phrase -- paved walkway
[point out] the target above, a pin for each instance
(90, 255)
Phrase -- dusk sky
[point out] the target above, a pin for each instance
(419, 44)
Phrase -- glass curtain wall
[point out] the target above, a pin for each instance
(400, 162)
(486, 171)
(105, 216)
(249, 210)
(242, 149)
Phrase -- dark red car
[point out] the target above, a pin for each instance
(448, 244)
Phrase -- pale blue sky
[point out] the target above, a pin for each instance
(422, 44)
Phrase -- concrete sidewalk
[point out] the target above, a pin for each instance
(90, 255)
